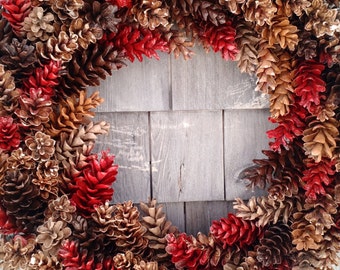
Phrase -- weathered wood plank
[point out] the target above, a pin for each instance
(209, 82)
(244, 139)
(187, 155)
(128, 140)
(142, 86)
(199, 215)
(175, 213)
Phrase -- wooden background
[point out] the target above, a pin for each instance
(182, 131)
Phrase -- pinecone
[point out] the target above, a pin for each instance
(124, 261)
(22, 200)
(19, 160)
(208, 11)
(39, 24)
(67, 9)
(18, 57)
(41, 146)
(287, 187)
(42, 261)
(58, 48)
(290, 7)
(154, 220)
(267, 68)
(304, 234)
(247, 41)
(307, 46)
(8, 93)
(234, 230)
(74, 111)
(152, 14)
(259, 12)
(307, 260)
(9, 134)
(18, 252)
(51, 234)
(320, 138)
(6, 33)
(179, 44)
(275, 246)
(282, 97)
(3, 168)
(265, 210)
(322, 19)
(104, 219)
(233, 6)
(128, 231)
(142, 265)
(281, 32)
(82, 29)
(34, 108)
(102, 17)
(60, 209)
(88, 67)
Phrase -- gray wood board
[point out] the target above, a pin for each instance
(128, 140)
(141, 86)
(175, 213)
(244, 139)
(199, 215)
(209, 82)
(187, 155)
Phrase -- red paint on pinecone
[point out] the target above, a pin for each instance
(184, 254)
(317, 177)
(289, 127)
(309, 84)
(9, 134)
(6, 223)
(234, 231)
(93, 186)
(221, 39)
(15, 11)
(121, 3)
(45, 78)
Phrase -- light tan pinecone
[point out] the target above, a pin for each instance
(259, 12)
(66, 9)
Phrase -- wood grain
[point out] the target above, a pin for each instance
(142, 86)
(244, 139)
(128, 140)
(187, 156)
(209, 82)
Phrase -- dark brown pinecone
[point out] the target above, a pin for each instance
(275, 246)
(6, 33)
(3, 169)
(288, 186)
(128, 231)
(18, 57)
(208, 11)
(22, 200)
(87, 67)
(8, 93)
(154, 220)
(307, 46)
(307, 260)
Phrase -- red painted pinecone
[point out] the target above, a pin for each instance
(9, 134)
(234, 231)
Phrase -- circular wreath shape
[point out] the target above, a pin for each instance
(55, 192)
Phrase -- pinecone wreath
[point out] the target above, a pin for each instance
(55, 192)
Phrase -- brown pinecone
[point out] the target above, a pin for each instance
(22, 199)
(125, 261)
(19, 160)
(267, 68)
(320, 213)
(40, 147)
(88, 67)
(259, 12)
(154, 220)
(307, 260)
(208, 11)
(322, 19)
(74, 111)
(102, 16)
(264, 210)
(179, 44)
(58, 48)
(275, 246)
(247, 40)
(104, 220)
(42, 261)
(61, 209)
(51, 234)
(85, 33)
(39, 24)
(320, 138)
(8, 93)
(128, 231)
(233, 6)
(290, 7)
(18, 57)
(288, 186)
(282, 96)
(18, 252)
(48, 186)
(152, 14)
(3, 169)
(66, 9)
(6, 33)
(307, 46)
(142, 265)
(304, 234)
(281, 32)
